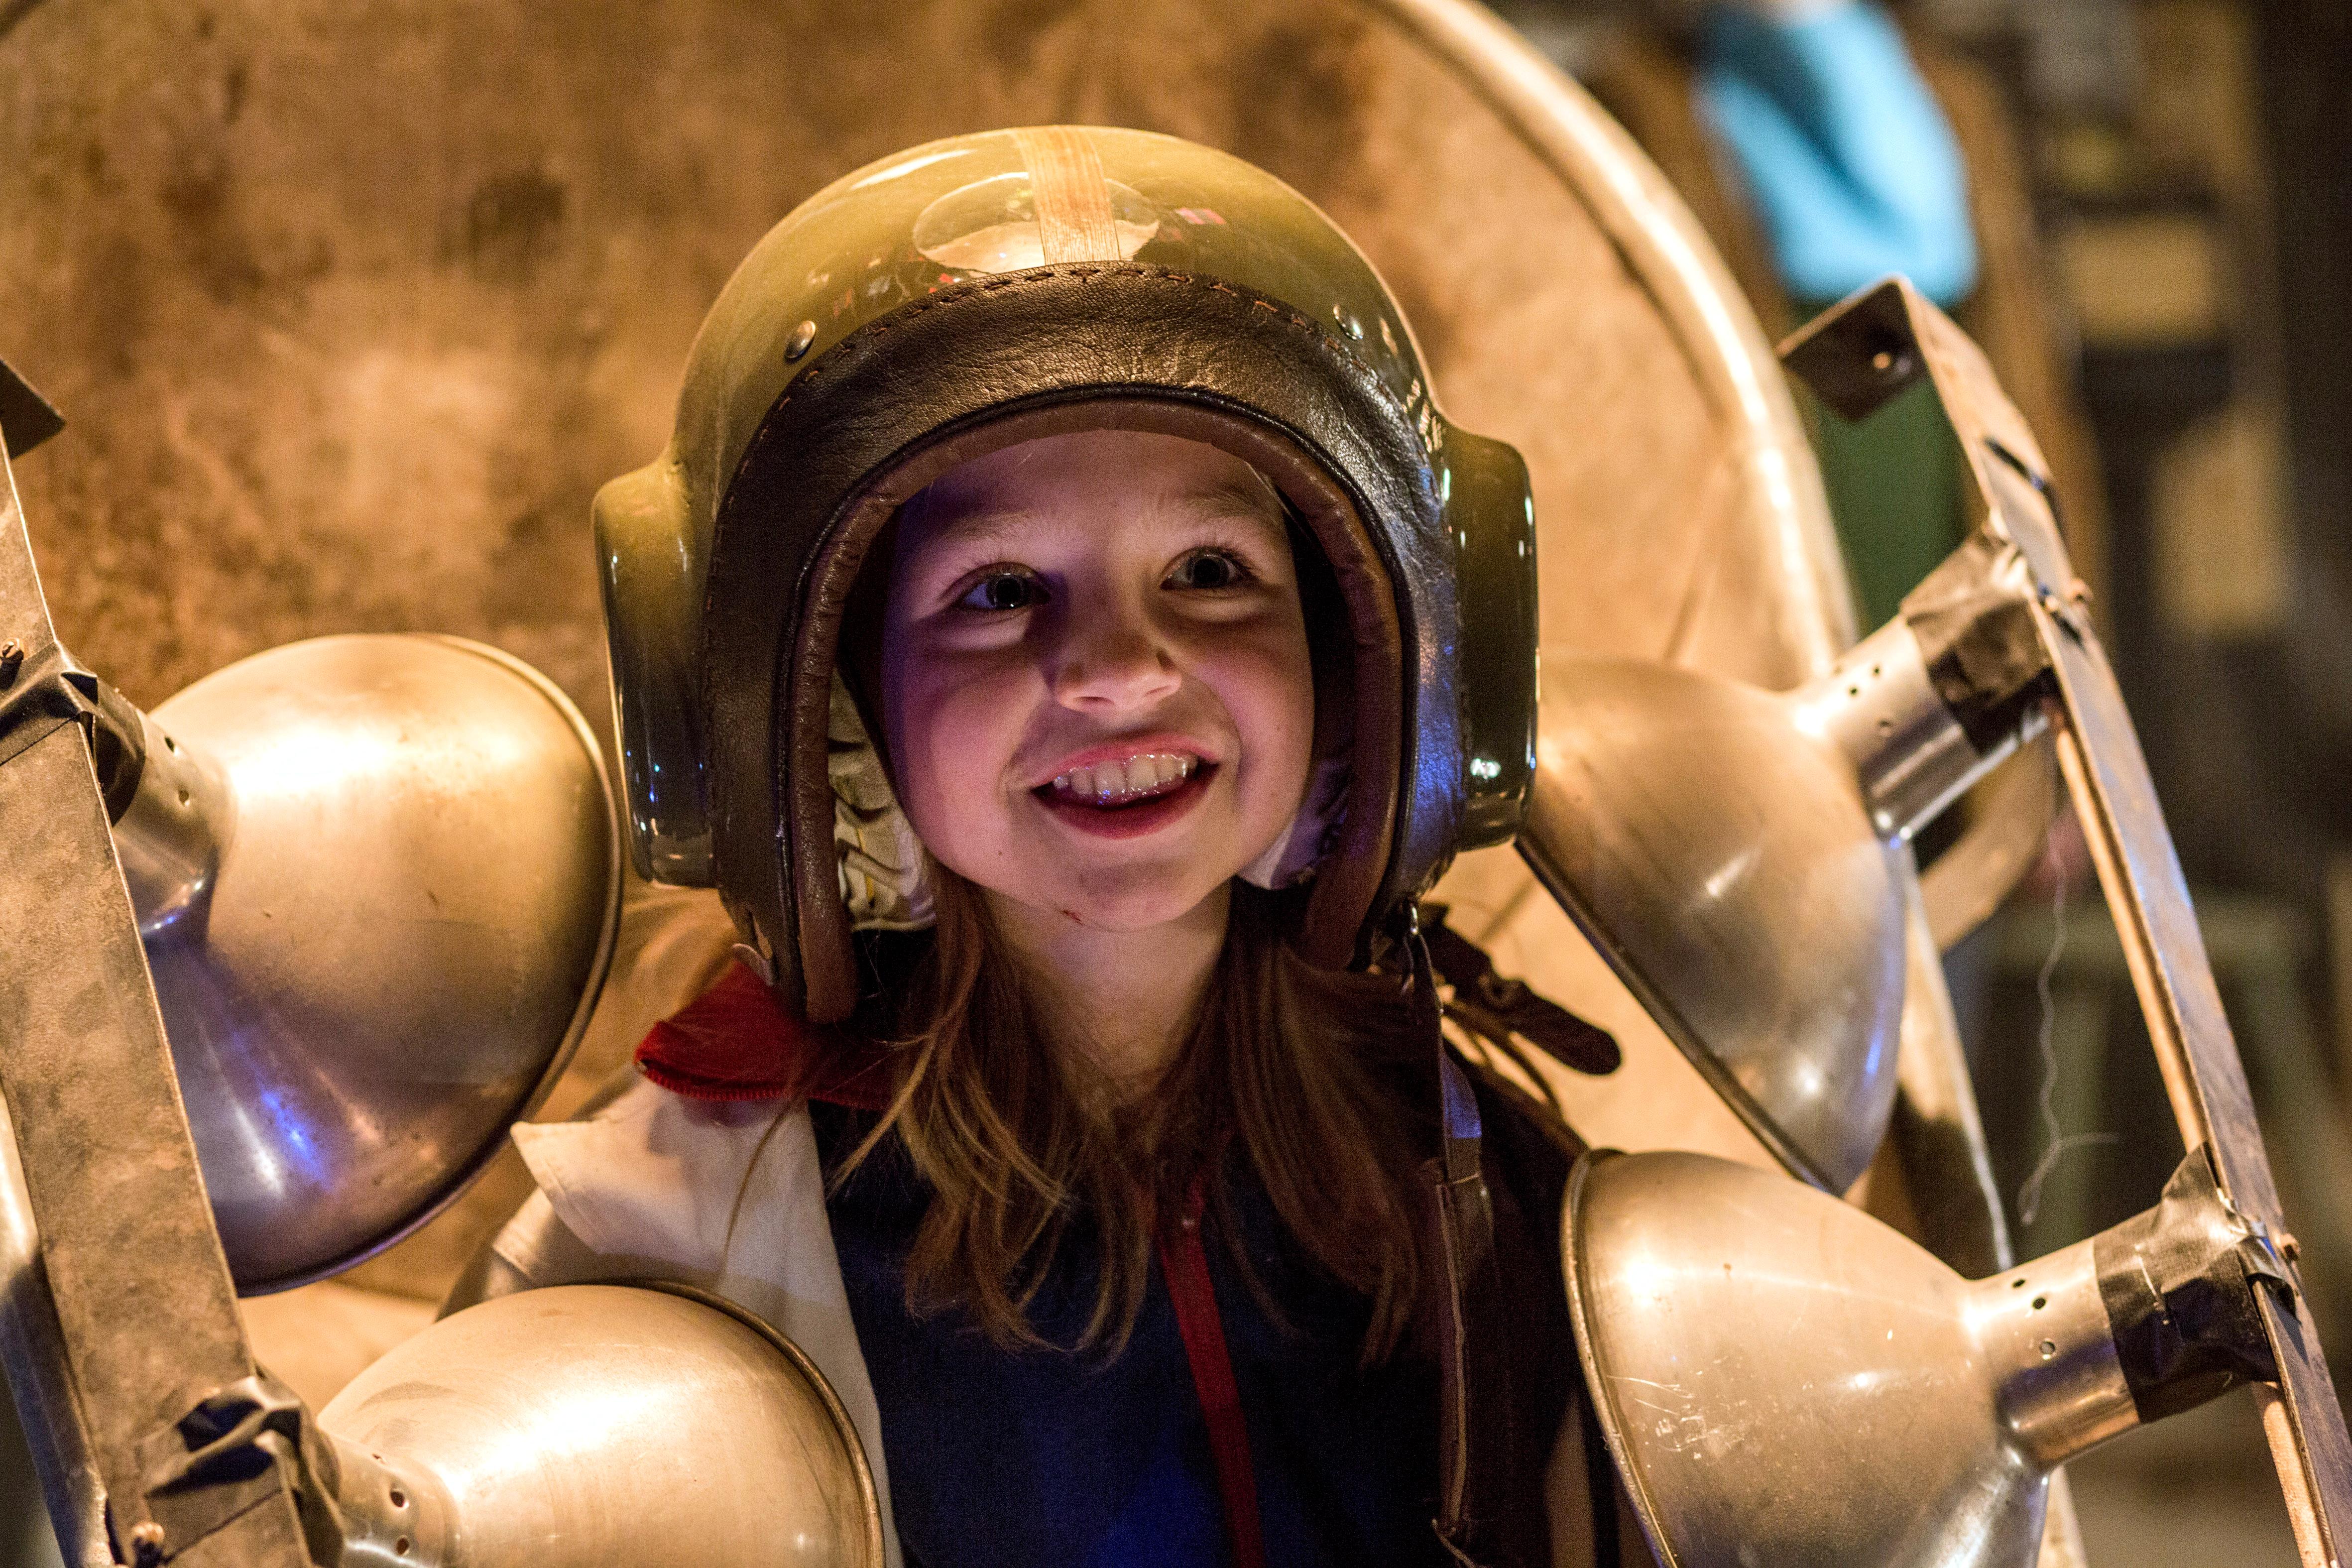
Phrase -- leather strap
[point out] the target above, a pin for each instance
(1475, 1429)
(1489, 1004)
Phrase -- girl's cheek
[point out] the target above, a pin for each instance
(1266, 654)
(1268, 688)
(952, 729)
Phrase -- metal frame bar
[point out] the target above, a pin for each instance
(145, 1314)
(1858, 355)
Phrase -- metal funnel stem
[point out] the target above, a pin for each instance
(2058, 1383)
(1880, 708)
(394, 1512)
(173, 835)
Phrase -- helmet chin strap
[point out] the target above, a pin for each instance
(1474, 1398)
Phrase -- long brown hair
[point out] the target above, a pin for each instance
(1298, 1070)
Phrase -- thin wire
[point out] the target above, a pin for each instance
(2028, 1195)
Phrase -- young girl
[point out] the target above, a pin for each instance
(1043, 631)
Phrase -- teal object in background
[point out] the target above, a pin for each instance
(1848, 159)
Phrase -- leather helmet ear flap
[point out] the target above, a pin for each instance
(650, 569)
(1487, 491)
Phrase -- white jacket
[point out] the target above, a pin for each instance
(726, 1197)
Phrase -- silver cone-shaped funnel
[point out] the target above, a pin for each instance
(1725, 866)
(1783, 1378)
(590, 1425)
(378, 880)
(1735, 855)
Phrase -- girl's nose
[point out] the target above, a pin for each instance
(1110, 660)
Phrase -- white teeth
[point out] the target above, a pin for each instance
(1114, 783)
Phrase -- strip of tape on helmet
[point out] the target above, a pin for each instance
(1074, 219)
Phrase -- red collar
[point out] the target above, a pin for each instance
(733, 1042)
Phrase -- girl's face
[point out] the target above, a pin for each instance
(1097, 694)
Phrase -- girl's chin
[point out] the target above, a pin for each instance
(1150, 901)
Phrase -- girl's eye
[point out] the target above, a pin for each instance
(1002, 590)
(1206, 571)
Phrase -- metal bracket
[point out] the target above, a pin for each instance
(2259, 1248)
(25, 415)
(53, 687)
(237, 1447)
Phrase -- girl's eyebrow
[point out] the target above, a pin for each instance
(988, 523)
(1232, 497)
(983, 525)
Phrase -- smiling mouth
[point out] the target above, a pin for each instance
(1119, 785)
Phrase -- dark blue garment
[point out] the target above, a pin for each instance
(1016, 1459)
